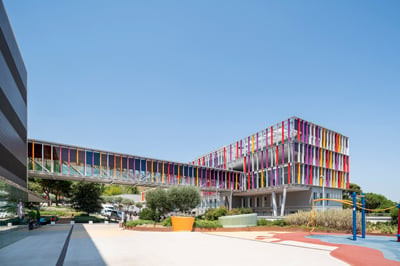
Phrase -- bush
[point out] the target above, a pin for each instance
(394, 214)
(336, 219)
(263, 222)
(206, 224)
(32, 214)
(214, 214)
(383, 228)
(146, 214)
(138, 222)
(245, 210)
(86, 219)
(167, 222)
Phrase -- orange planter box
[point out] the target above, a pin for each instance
(181, 223)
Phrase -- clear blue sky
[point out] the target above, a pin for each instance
(176, 79)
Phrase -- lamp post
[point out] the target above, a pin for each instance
(323, 192)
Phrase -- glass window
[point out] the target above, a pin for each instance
(65, 160)
(48, 163)
(111, 165)
(89, 163)
(56, 159)
(72, 160)
(96, 163)
(38, 156)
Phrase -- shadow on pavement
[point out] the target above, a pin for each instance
(81, 249)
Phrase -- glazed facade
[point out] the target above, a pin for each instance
(60, 161)
(294, 151)
(13, 123)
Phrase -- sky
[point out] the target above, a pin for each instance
(176, 79)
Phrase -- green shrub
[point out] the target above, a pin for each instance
(138, 222)
(280, 222)
(37, 214)
(167, 222)
(245, 210)
(394, 214)
(86, 219)
(382, 228)
(214, 214)
(32, 214)
(262, 222)
(206, 224)
(234, 211)
(146, 214)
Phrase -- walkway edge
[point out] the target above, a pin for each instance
(61, 259)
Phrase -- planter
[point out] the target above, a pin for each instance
(181, 223)
(242, 220)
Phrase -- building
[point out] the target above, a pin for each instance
(285, 166)
(13, 122)
(275, 171)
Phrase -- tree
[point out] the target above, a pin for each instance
(131, 190)
(184, 198)
(157, 201)
(139, 205)
(61, 188)
(86, 197)
(47, 188)
(377, 201)
(348, 194)
(112, 190)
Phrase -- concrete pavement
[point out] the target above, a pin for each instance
(100, 244)
(42, 246)
(124, 247)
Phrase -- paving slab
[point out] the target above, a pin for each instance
(40, 246)
(125, 247)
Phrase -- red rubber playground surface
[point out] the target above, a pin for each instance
(349, 253)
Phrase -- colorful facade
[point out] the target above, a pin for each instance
(293, 151)
(283, 166)
(59, 161)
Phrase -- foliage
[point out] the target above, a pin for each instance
(87, 218)
(86, 197)
(138, 222)
(335, 219)
(377, 201)
(263, 222)
(348, 194)
(130, 190)
(112, 190)
(382, 228)
(37, 214)
(184, 198)
(139, 205)
(128, 202)
(167, 222)
(278, 222)
(32, 214)
(214, 214)
(146, 214)
(57, 187)
(158, 202)
(206, 224)
(394, 214)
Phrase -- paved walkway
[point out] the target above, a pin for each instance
(101, 244)
(42, 246)
(124, 247)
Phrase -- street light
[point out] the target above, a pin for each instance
(323, 192)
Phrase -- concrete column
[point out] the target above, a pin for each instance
(274, 208)
(283, 202)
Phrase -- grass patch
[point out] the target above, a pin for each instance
(206, 224)
(138, 222)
